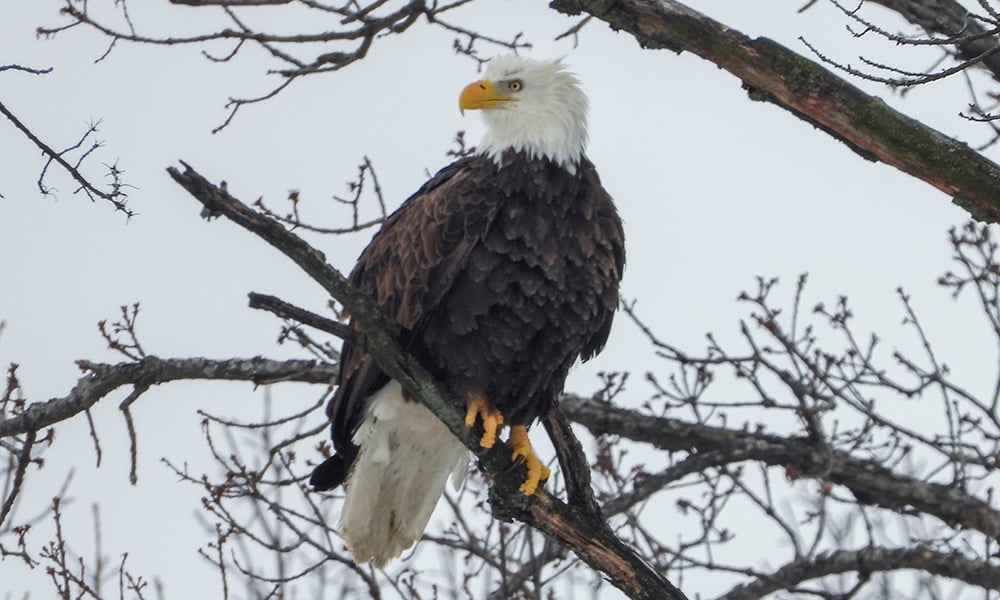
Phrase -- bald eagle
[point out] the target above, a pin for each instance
(502, 270)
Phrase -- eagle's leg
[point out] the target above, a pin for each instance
(476, 405)
(537, 472)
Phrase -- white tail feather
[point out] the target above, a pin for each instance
(406, 455)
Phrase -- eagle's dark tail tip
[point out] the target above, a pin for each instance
(329, 474)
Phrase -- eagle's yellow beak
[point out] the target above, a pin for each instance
(481, 94)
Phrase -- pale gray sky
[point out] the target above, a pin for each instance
(714, 190)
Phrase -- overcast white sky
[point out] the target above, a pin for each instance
(714, 190)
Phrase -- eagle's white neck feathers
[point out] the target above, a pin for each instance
(549, 118)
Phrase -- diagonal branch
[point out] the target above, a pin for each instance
(771, 72)
(117, 196)
(576, 527)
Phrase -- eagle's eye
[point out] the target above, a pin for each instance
(515, 85)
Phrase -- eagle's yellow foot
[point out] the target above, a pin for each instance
(537, 472)
(476, 405)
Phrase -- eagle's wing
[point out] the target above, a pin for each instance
(408, 267)
(610, 266)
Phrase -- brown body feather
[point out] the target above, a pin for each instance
(501, 277)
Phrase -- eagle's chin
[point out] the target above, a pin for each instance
(405, 457)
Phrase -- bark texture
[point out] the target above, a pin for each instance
(771, 72)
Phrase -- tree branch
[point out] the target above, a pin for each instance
(951, 19)
(576, 527)
(866, 479)
(866, 561)
(23, 460)
(772, 73)
(289, 311)
(102, 379)
(116, 196)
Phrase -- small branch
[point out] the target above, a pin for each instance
(116, 197)
(139, 389)
(102, 379)
(366, 172)
(25, 69)
(951, 19)
(574, 31)
(122, 336)
(23, 460)
(289, 311)
(93, 437)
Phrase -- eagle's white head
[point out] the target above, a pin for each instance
(535, 106)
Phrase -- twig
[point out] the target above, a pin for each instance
(23, 460)
(285, 310)
(116, 197)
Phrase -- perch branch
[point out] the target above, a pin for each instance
(576, 527)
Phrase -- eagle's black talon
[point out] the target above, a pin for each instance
(515, 464)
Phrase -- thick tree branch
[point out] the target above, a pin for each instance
(773, 73)
(951, 19)
(866, 479)
(576, 527)
(289, 311)
(866, 561)
(23, 460)
(102, 379)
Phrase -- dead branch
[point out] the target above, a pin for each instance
(23, 460)
(288, 311)
(366, 175)
(866, 561)
(345, 32)
(115, 194)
